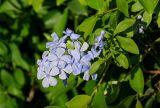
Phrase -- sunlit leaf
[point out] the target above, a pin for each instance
(128, 44)
(79, 101)
(95, 66)
(96, 4)
(123, 6)
(59, 2)
(77, 8)
(137, 80)
(99, 99)
(61, 23)
(87, 25)
(136, 7)
(147, 17)
(138, 104)
(123, 61)
(124, 25)
(149, 5)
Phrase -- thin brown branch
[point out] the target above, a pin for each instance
(153, 72)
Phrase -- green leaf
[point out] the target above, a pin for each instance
(122, 5)
(87, 25)
(99, 99)
(149, 5)
(158, 20)
(136, 7)
(61, 23)
(54, 107)
(138, 104)
(113, 91)
(128, 44)
(3, 49)
(37, 4)
(96, 4)
(77, 8)
(150, 101)
(95, 66)
(79, 101)
(59, 2)
(19, 77)
(147, 17)
(89, 86)
(15, 92)
(17, 58)
(136, 80)
(126, 102)
(113, 20)
(124, 25)
(51, 18)
(6, 78)
(83, 2)
(122, 61)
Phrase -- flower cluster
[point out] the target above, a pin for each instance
(141, 25)
(60, 61)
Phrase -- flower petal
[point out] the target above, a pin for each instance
(52, 81)
(54, 36)
(84, 46)
(52, 57)
(66, 58)
(60, 52)
(86, 57)
(45, 82)
(94, 76)
(61, 64)
(54, 63)
(54, 71)
(86, 76)
(45, 53)
(76, 68)
(74, 36)
(77, 45)
(75, 53)
(63, 75)
(68, 69)
(40, 73)
(68, 32)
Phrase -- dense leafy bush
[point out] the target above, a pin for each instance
(128, 67)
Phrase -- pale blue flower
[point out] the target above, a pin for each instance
(56, 43)
(73, 36)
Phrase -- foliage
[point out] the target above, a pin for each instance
(128, 68)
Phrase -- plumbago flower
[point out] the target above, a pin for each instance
(60, 61)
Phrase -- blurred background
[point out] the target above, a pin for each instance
(25, 27)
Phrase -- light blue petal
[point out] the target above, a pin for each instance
(54, 63)
(54, 36)
(84, 46)
(45, 53)
(52, 57)
(52, 81)
(61, 64)
(68, 32)
(85, 68)
(76, 68)
(75, 53)
(94, 76)
(66, 58)
(74, 36)
(63, 45)
(45, 82)
(68, 69)
(77, 44)
(91, 54)
(41, 74)
(60, 52)
(63, 75)
(86, 58)
(86, 75)
(95, 52)
(54, 71)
